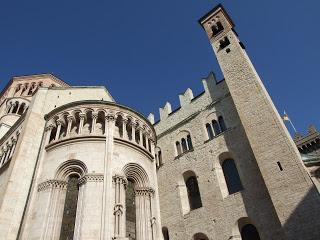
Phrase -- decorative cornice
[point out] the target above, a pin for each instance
(91, 178)
(51, 184)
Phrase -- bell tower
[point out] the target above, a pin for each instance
(292, 193)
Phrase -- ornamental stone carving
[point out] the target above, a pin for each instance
(51, 184)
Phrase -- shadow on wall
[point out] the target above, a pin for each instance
(304, 222)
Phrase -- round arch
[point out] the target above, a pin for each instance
(71, 167)
(137, 174)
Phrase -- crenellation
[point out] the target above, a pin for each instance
(165, 111)
(186, 98)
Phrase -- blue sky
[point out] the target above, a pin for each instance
(147, 52)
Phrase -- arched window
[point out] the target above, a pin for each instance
(53, 134)
(209, 131)
(222, 124)
(216, 127)
(165, 233)
(193, 193)
(24, 88)
(249, 232)
(184, 145)
(178, 146)
(21, 109)
(189, 142)
(15, 108)
(70, 208)
(231, 176)
(130, 211)
(200, 236)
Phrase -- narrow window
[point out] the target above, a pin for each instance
(280, 166)
(222, 124)
(249, 232)
(130, 211)
(21, 109)
(160, 158)
(209, 131)
(165, 233)
(231, 176)
(144, 140)
(189, 142)
(53, 134)
(178, 146)
(137, 136)
(216, 127)
(193, 193)
(15, 109)
(184, 145)
(70, 209)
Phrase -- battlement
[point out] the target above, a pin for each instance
(213, 90)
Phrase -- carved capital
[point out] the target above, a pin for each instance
(59, 121)
(120, 179)
(82, 115)
(49, 127)
(145, 191)
(110, 117)
(95, 115)
(70, 118)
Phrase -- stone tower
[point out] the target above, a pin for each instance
(292, 193)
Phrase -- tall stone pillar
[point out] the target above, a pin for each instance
(293, 195)
(106, 228)
(120, 183)
(143, 213)
(55, 192)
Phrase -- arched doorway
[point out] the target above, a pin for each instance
(249, 232)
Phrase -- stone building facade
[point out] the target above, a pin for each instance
(309, 148)
(74, 164)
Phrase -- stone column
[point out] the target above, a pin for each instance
(9, 149)
(120, 183)
(19, 106)
(143, 214)
(25, 109)
(94, 122)
(54, 208)
(58, 130)
(70, 119)
(89, 195)
(12, 107)
(124, 129)
(14, 144)
(107, 180)
(141, 136)
(81, 115)
(133, 132)
(48, 133)
(3, 156)
(7, 108)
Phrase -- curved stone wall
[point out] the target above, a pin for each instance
(104, 145)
